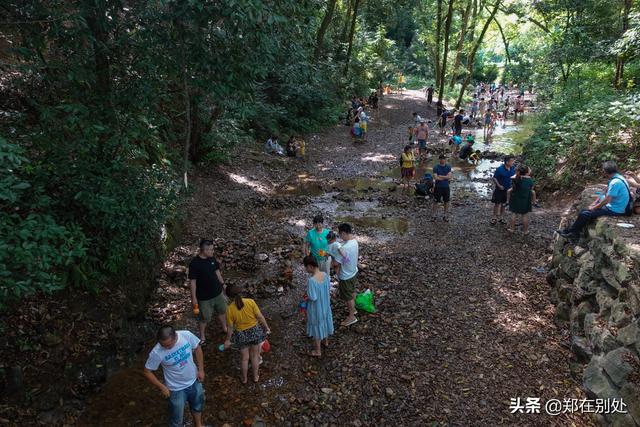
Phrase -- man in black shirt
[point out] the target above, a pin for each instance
(457, 122)
(207, 285)
(430, 94)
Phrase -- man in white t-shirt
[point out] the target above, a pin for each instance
(182, 378)
(348, 275)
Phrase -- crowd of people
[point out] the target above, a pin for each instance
(245, 328)
(514, 187)
(327, 254)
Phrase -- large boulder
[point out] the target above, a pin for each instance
(618, 364)
(596, 381)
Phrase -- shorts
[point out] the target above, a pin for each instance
(194, 394)
(442, 194)
(347, 288)
(407, 172)
(422, 143)
(209, 307)
(363, 126)
(499, 196)
(248, 337)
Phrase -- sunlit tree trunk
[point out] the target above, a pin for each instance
(459, 46)
(437, 49)
(472, 55)
(445, 51)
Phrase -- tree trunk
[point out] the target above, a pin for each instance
(504, 40)
(620, 59)
(459, 46)
(437, 49)
(351, 33)
(95, 15)
(187, 137)
(323, 29)
(445, 51)
(345, 30)
(472, 55)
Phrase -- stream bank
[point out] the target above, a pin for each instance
(596, 286)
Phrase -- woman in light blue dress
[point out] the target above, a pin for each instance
(319, 317)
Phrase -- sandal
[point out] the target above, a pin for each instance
(493, 221)
(309, 354)
(433, 219)
(511, 230)
(354, 321)
(445, 219)
(503, 221)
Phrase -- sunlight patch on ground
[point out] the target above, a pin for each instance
(377, 157)
(254, 185)
(515, 323)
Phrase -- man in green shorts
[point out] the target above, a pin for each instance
(348, 275)
(206, 285)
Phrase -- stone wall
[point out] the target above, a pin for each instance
(596, 287)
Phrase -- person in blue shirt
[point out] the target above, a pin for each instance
(614, 203)
(502, 180)
(441, 193)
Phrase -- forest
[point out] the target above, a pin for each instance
(112, 111)
(106, 105)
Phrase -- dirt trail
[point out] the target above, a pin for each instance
(464, 321)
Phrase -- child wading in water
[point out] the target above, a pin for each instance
(244, 332)
(520, 197)
(319, 316)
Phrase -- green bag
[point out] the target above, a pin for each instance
(364, 301)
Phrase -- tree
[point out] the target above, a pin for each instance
(331, 5)
(443, 70)
(474, 50)
(351, 33)
(461, 39)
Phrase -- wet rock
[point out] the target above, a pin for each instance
(262, 257)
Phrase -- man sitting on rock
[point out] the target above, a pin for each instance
(614, 203)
